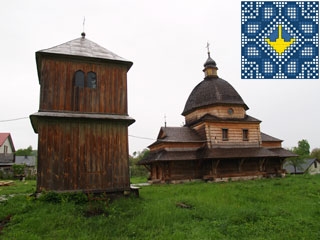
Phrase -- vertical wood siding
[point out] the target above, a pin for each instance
(90, 155)
(58, 92)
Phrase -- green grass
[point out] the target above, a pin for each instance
(138, 180)
(18, 187)
(262, 209)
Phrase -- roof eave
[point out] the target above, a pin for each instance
(40, 54)
(184, 113)
(34, 118)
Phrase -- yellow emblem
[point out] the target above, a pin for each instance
(280, 45)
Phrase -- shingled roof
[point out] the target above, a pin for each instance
(212, 91)
(268, 138)
(214, 153)
(302, 168)
(82, 47)
(181, 134)
(210, 117)
(3, 137)
(177, 134)
(252, 152)
(168, 154)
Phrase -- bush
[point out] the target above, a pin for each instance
(54, 197)
(18, 169)
(6, 174)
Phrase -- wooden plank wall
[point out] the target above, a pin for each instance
(81, 154)
(273, 165)
(274, 144)
(59, 94)
(235, 137)
(183, 170)
(237, 167)
(171, 145)
(219, 111)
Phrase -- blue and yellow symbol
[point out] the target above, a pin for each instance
(280, 39)
(280, 44)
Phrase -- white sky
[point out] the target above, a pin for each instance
(166, 41)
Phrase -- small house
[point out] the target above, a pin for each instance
(7, 157)
(310, 166)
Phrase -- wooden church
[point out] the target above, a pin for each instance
(82, 122)
(219, 141)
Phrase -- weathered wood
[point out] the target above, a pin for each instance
(216, 168)
(92, 156)
(6, 183)
(83, 128)
(175, 145)
(58, 92)
(221, 111)
(213, 133)
(273, 144)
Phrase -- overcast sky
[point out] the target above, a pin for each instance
(166, 42)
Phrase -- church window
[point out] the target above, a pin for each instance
(224, 134)
(315, 164)
(79, 79)
(245, 134)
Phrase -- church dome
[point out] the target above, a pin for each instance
(212, 91)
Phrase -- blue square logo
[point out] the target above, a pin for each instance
(279, 40)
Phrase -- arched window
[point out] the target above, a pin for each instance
(92, 80)
(79, 79)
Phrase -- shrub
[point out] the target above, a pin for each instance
(18, 169)
(54, 197)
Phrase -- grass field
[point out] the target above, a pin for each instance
(287, 208)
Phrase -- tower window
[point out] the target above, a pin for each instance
(92, 80)
(79, 79)
(245, 134)
(224, 134)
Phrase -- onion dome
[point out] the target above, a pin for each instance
(210, 67)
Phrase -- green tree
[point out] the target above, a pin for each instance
(303, 148)
(25, 152)
(137, 170)
(315, 153)
(303, 152)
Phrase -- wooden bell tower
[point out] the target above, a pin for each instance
(82, 122)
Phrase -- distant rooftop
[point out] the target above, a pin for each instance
(3, 137)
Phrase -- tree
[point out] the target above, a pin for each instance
(296, 162)
(25, 152)
(303, 148)
(136, 170)
(303, 152)
(315, 153)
